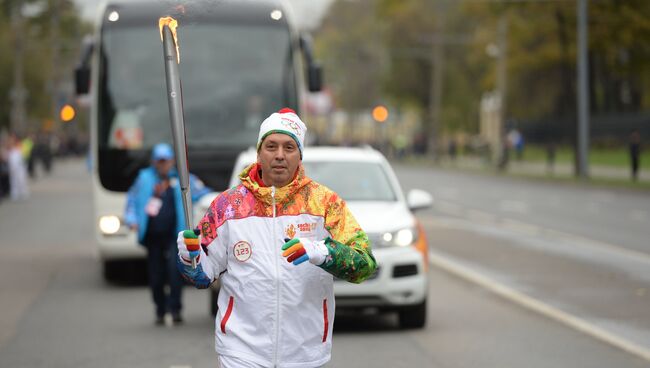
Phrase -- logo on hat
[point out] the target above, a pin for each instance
(284, 121)
(292, 125)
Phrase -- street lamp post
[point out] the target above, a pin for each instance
(583, 90)
(18, 92)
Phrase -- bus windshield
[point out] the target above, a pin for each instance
(232, 75)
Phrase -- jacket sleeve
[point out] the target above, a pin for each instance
(213, 239)
(350, 256)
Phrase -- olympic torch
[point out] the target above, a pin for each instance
(171, 55)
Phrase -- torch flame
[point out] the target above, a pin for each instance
(172, 24)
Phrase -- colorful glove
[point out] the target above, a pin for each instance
(194, 276)
(188, 246)
(300, 250)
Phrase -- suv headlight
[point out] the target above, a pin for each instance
(401, 238)
(404, 237)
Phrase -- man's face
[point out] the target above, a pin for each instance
(279, 158)
(163, 166)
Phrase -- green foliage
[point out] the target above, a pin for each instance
(349, 44)
(614, 157)
(38, 68)
(541, 55)
(6, 61)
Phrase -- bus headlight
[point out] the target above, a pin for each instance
(109, 224)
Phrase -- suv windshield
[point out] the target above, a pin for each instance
(352, 181)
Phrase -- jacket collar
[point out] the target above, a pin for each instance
(264, 194)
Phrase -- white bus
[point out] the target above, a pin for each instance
(240, 60)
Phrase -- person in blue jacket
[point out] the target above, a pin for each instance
(154, 209)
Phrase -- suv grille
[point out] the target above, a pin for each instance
(405, 270)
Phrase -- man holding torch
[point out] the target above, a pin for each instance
(276, 241)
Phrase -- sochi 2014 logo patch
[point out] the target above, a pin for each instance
(242, 251)
(290, 231)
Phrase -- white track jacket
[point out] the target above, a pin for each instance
(272, 312)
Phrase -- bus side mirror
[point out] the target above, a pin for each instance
(82, 71)
(82, 80)
(314, 77)
(314, 69)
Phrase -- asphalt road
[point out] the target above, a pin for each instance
(58, 312)
(576, 254)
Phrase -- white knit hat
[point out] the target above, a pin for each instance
(286, 122)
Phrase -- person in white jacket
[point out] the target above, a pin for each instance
(18, 180)
(276, 241)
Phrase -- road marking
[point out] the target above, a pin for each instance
(509, 205)
(449, 208)
(445, 263)
(521, 227)
(480, 216)
(448, 192)
(585, 242)
(593, 207)
(639, 215)
(603, 196)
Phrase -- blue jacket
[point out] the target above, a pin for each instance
(142, 190)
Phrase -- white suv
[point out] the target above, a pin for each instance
(365, 180)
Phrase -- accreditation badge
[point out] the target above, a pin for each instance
(153, 206)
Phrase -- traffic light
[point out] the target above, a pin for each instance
(380, 113)
(67, 113)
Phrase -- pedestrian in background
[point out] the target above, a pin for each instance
(276, 241)
(452, 149)
(550, 157)
(27, 148)
(635, 154)
(4, 166)
(516, 142)
(18, 181)
(155, 210)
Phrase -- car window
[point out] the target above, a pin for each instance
(353, 181)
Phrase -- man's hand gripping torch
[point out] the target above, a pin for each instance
(172, 59)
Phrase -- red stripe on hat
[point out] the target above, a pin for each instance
(285, 110)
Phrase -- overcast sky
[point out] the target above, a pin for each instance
(308, 12)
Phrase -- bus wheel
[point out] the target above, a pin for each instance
(111, 271)
(128, 272)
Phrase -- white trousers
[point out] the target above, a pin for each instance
(232, 362)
